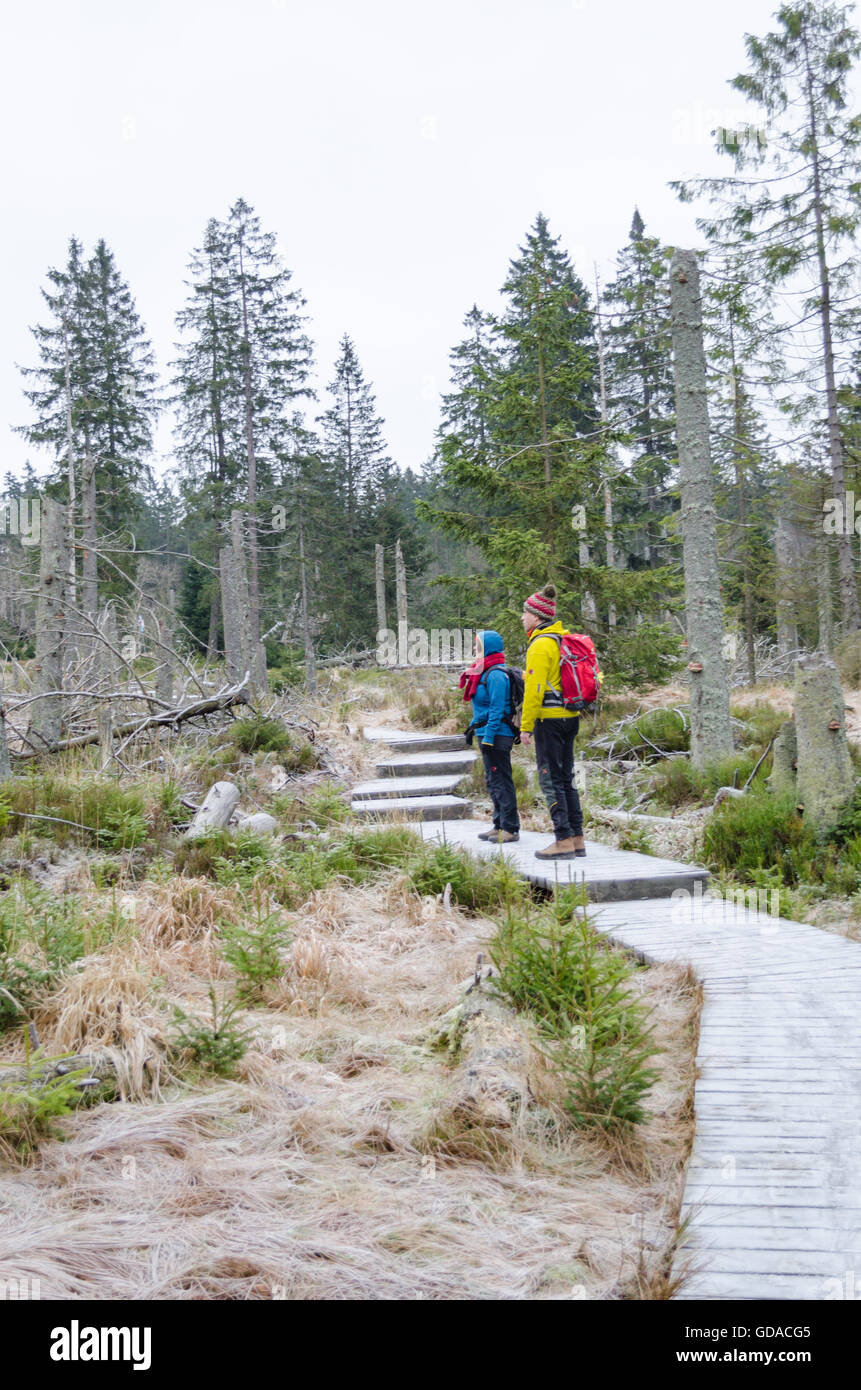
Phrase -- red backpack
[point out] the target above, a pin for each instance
(579, 674)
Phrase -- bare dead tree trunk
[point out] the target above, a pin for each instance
(401, 591)
(739, 451)
(711, 731)
(254, 591)
(70, 465)
(230, 615)
(787, 630)
(5, 764)
(164, 678)
(823, 595)
(214, 615)
(46, 716)
(380, 584)
(310, 660)
(90, 564)
(108, 628)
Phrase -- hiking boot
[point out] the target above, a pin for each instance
(506, 837)
(560, 849)
(490, 834)
(579, 846)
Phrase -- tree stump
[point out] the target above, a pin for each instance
(782, 780)
(492, 1080)
(826, 780)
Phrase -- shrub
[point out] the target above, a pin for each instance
(762, 722)
(93, 811)
(675, 781)
(327, 805)
(258, 734)
(667, 729)
(647, 654)
(215, 1046)
(255, 951)
(40, 935)
(29, 1108)
(555, 967)
(198, 856)
(756, 832)
(478, 885)
(431, 707)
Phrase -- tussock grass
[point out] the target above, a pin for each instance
(108, 1004)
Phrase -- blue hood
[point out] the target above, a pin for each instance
(492, 642)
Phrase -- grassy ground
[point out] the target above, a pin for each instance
(269, 1006)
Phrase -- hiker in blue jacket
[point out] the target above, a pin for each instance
(487, 685)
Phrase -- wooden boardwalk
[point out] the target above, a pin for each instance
(773, 1187)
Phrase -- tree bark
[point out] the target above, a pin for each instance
(711, 731)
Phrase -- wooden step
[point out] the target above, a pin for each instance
(408, 741)
(416, 764)
(424, 808)
(432, 785)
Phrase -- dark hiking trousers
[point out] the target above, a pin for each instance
(500, 783)
(554, 753)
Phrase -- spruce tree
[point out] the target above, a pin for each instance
(640, 398)
(242, 365)
(94, 398)
(355, 473)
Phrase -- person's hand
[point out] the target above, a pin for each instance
(525, 739)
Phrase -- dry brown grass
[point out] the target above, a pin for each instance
(108, 1004)
(312, 1175)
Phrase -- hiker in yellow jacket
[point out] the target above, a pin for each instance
(554, 726)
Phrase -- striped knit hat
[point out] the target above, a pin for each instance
(543, 604)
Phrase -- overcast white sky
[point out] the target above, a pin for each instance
(400, 151)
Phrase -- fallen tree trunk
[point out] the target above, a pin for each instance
(230, 695)
(97, 1069)
(218, 806)
(624, 818)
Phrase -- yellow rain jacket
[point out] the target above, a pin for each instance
(542, 696)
